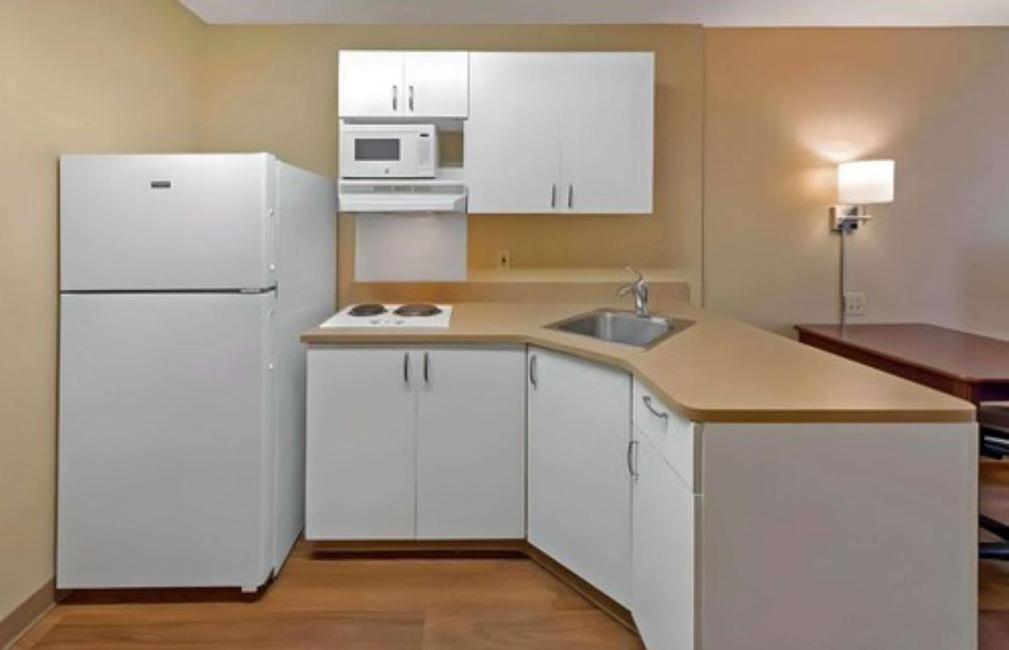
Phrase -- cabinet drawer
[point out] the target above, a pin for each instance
(673, 436)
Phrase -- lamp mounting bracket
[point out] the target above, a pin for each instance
(847, 218)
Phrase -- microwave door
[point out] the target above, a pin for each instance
(377, 150)
(372, 156)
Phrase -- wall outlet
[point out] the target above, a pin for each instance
(854, 303)
(504, 259)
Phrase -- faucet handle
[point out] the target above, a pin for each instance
(638, 285)
(640, 276)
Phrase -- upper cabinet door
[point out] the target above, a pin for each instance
(608, 130)
(371, 84)
(512, 138)
(436, 84)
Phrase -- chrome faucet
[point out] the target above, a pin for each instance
(640, 290)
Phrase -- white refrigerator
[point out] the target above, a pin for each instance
(185, 280)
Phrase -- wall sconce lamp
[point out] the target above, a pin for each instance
(859, 183)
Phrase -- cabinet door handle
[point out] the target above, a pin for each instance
(553, 195)
(571, 195)
(632, 456)
(410, 99)
(395, 97)
(427, 364)
(657, 413)
(406, 368)
(533, 378)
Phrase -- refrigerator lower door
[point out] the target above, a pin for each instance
(166, 425)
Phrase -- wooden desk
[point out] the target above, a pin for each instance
(975, 368)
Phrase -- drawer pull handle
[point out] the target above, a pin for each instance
(657, 413)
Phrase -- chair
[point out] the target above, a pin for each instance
(993, 421)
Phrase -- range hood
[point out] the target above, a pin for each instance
(444, 193)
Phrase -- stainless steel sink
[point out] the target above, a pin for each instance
(622, 327)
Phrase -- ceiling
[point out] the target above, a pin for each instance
(715, 13)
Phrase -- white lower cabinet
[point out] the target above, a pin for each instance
(408, 442)
(471, 480)
(360, 474)
(579, 426)
(726, 534)
(664, 529)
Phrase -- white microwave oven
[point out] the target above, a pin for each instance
(388, 151)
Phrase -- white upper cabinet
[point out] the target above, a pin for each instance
(607, 123)
(393, 84)
(512, 150)
(437, 84)
(371, 84)
(560, 132)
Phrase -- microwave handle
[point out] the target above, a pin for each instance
(395, 97)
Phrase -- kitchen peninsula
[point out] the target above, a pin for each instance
(725, 484)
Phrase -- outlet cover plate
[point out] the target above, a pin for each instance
(854, 303)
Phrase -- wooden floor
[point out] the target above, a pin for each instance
(350, 604)
(355, 603)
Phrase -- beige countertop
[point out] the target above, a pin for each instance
(718, 370)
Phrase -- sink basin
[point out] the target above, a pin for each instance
(622, 327)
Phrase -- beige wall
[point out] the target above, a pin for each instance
(275, 88)
(782, 106)
(98, 76)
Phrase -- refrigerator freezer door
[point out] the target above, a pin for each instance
(173, 221)
(165, 440)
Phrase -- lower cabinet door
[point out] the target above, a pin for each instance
(361, 443)
(471, 443)
(664, 570)
(579, 479)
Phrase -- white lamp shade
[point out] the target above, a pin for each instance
(865, 181)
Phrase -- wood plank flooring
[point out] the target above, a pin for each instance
(360, 603)
(349, 603)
